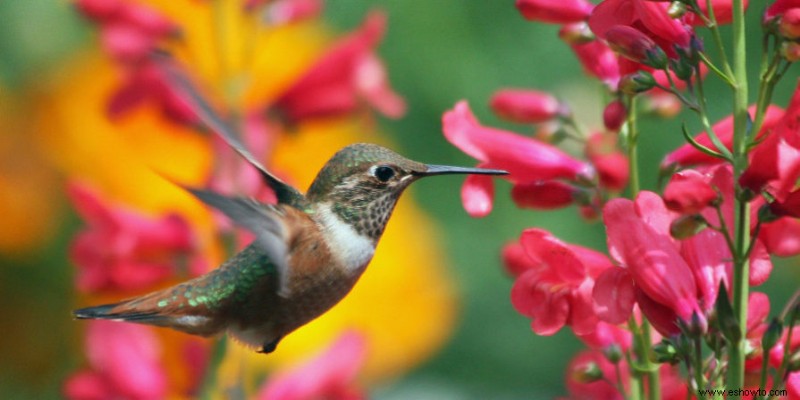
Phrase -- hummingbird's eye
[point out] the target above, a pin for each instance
(383, 173)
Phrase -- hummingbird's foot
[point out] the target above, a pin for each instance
(269, 347)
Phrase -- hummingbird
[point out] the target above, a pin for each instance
(309, 249)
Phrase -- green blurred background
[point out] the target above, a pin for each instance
(437, 53)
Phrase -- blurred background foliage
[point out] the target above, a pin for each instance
(437, 52)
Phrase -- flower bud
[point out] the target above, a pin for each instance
(574, 34)
(687, 226)
(543, 195)
(665, 352)
(613, 353)
(526, 106)
(789, 26)
(790, 51)
(772, 335)
(794, 362)
(555, 12)
(633, 44)
(640, 81)
(587, 373)
(614, 115)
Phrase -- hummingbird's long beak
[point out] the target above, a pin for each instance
(446, 169)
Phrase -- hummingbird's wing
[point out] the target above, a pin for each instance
(213, 121)
(263, 220)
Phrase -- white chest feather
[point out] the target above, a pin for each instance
(352, 250)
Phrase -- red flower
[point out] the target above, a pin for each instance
(329, 375)
(635, 46)
(781, 237)
(649, 17)
(344, 77)
(543, 195)
(555, 11)
(124, 362)
(778, 8)
(689, 192)
(775, 163)
(557, 289)
(527, 160)
(670, 279)
(121, 249)
(723, 12)
(600, 61)
(526, 106)
(688, 155)
(638, 238)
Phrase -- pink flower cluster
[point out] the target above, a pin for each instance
(671, 255)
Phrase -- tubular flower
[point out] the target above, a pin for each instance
(600, 61)
(614, 115)
(555, 11)
(526, 106)
(527, 160)
(635, 46)
(122, 249)
(124, 362)
(544, 195)
(670, 279)
(650, 18)
(638, 238)
(347, 74)
(557, 289)
(330, 374)
(689, 192)
(775, 163)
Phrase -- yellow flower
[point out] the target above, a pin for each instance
(404, 304)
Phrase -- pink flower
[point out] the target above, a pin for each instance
(329, 375)
(635, 45)
(344, 77)
(600, 61)
(778, 8)
(790, 23)
(648, 17)
(557, 289)
(124, 362)
(543, 195)
(775, 163)
(526, 106)
(555, 11)
(638, 238)
(781, 237)
(128, 31)
(121, 249)
(688, 155)
(669, 279)
(146, 82)
(723, 12)
(527, 160)
(689, 192)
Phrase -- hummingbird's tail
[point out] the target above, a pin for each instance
(151, 310)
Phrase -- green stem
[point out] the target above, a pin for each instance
(637, 364)
(642, 337)
(741, 266)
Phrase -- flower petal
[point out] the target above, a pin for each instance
(614, 295)
(477, 195)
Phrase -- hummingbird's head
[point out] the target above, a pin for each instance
(362, 183)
